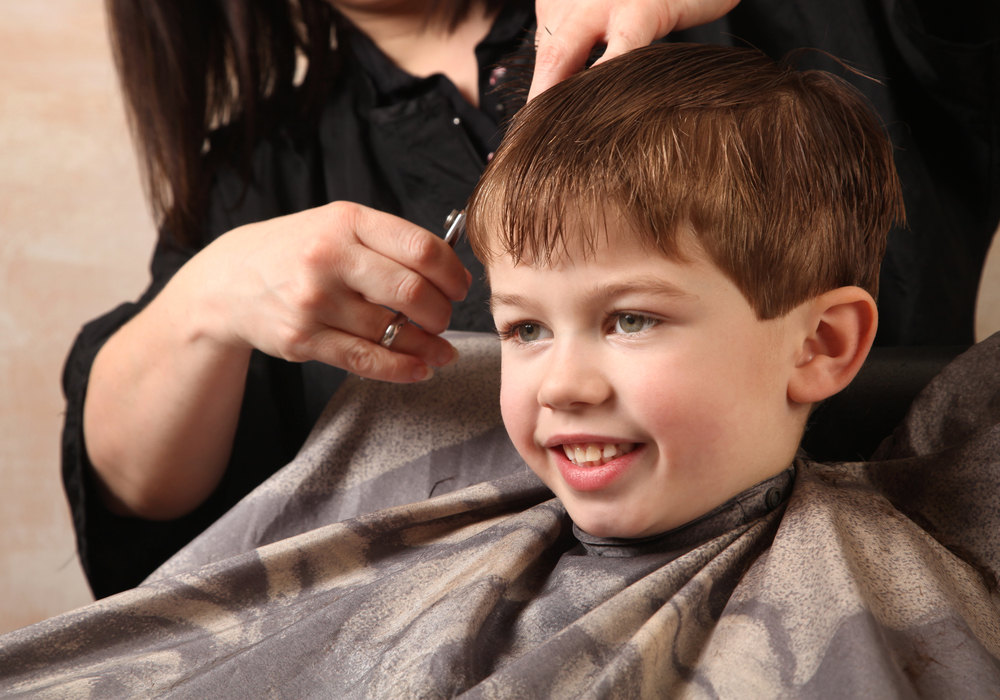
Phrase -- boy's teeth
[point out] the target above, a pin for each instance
(593, 454)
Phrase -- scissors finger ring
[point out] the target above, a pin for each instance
(454, 225)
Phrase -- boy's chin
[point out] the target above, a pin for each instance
(608, 526)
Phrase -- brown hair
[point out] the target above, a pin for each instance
(785, 177)
(188, 67)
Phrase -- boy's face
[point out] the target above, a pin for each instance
(643, 391)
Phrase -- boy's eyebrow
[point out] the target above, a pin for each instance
(501, 299)
(644, 285)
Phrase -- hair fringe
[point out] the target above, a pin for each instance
(766, 167)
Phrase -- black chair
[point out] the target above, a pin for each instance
(851, 425)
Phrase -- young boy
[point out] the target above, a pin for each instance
(682, 263)
(683, 249)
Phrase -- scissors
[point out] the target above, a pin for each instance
(454, 227)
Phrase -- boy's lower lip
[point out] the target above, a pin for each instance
(581, 478)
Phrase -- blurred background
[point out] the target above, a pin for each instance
(75, 240)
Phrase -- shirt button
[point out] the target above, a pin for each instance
(456, 121)
(773, 498)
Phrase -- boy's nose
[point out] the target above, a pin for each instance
(573, 379)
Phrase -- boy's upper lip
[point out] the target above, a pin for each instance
(582, 438)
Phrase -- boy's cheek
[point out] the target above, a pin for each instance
(519, 414)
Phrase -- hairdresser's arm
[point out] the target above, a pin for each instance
(569, 29)
(165, 391)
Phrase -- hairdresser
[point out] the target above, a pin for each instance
(298, 198)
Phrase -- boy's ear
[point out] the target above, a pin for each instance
(840, 327)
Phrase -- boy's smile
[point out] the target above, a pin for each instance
(643, 391)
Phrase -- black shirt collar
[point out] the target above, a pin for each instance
(393, 85)
(741, 509)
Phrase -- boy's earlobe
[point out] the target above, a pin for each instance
(840, 331)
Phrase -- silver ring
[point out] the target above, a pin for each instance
(392, 330)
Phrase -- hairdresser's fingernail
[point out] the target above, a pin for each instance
(448, 357)
(422, 374)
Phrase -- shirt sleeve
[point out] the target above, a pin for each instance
(93, 522)
(118, 552)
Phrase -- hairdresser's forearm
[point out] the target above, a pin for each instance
(161, 410)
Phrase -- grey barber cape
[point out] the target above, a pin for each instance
(869, 579)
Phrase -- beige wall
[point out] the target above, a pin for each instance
(988, 304)
(75, 237)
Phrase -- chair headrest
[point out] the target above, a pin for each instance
(850, 425)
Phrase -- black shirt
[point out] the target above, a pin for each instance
(411, 147)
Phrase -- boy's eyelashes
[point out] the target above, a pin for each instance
(619, 323)
(524, 332)
(628, 322)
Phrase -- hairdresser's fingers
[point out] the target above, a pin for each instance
(404, 267)
(370, 360)
(684, 14)
(381, 280)
(280, 285)
(431, 349)
(409, 245)
(356, 252)
(564, 40)
(636, 24)
(568, 31)
(345, 331)
(366, 320)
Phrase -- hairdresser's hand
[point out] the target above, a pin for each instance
(569, 29)
(314, 286)
(165, 390)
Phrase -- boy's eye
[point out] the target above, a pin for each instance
(528, 332)
(633, 323)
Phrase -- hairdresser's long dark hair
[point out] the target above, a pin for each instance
(190, 66)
